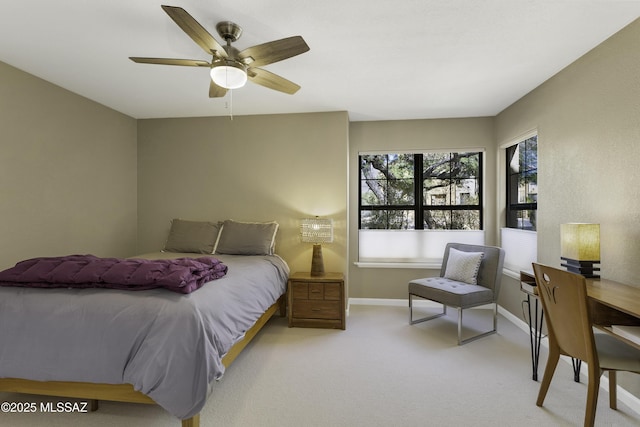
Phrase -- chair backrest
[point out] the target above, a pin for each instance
(564, 300)
(490, 272)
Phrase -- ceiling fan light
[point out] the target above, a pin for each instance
(229, 74)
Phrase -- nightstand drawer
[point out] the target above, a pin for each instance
(299, 290)
(333, 291)
(316, 291)
(317, 309)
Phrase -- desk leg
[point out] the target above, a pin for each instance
(577, 363)
(535, 334)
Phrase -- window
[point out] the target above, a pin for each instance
(425, 191)
(522, 184)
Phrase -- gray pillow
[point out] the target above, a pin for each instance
(192, 236)
(463, 266)
(247, 238)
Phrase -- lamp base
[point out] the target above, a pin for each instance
(317, 263)
(585, 268)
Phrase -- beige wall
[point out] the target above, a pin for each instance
(251, 168)
(472, 133)
(588, 118)
(67, 173)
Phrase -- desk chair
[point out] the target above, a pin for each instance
(570, 331)
(469, 277)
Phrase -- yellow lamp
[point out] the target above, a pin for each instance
(580, 248)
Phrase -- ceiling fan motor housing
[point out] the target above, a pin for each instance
(229, 31)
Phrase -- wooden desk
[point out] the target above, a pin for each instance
(613, 303)
(610, 303)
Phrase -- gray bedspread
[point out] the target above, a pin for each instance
(169, 346)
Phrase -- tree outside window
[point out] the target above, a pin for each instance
(421, 191)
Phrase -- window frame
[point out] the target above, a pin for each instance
(419, 207)
(513, 208)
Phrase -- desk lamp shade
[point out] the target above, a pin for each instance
(580, 248)
(316, 230)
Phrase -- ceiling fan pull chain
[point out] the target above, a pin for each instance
(231, 104)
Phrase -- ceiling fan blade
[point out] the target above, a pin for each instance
(216, 91)
(170, 61)
(194, 30)
(272, 81)
(270, 52)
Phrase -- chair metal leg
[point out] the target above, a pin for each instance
(483, 334)
(444, 312)
(423, 319)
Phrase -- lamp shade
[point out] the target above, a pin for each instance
(228, 74)
(580, 242)
(316, 230)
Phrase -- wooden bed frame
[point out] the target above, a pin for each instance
(125, 392)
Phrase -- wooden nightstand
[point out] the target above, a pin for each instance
(316, 301)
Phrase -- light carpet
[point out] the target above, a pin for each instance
(379, 372)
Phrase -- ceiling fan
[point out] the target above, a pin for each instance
(230, 68)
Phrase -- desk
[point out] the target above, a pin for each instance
(610, 303)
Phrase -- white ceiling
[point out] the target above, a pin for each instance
(376, 59)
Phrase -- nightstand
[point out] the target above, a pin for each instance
(316, 301)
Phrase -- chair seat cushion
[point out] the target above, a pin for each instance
(451, 292)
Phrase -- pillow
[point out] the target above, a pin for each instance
(463, 266)
(192, 236)
(247, 238)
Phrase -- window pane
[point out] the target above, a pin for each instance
(387, 219)
(466, 192)
(400, 192)
(526, 220)
(527, 187)
(371, 167)
(436, 165)
(436, 192)
(465, 165)
(530, 161)
(387, 179)
(373, 192)
(465, 220)
(372, 220)
(452, 220)
(437, 220)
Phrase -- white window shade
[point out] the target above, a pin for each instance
(417, 246)
(520, 248)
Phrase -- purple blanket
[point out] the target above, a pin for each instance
(183, 275)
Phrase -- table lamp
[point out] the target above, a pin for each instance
(580, 248)
(316, 230)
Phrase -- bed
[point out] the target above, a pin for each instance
(150, 346)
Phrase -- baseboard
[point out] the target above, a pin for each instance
(624, 396)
